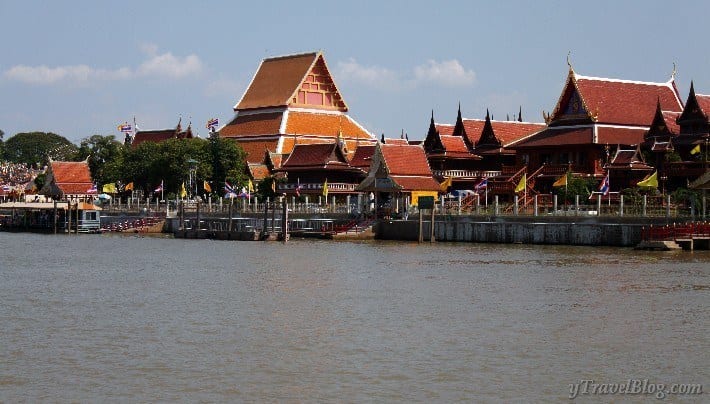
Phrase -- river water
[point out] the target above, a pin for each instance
(127, 318)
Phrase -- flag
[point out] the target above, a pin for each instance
(211, 123)
(207, 187)
(160, 187)
(325, 188)
(244, 193)
(6, 188)
(522, 183)
(250, 186)
(125, 128)
(650, 182)
(298, 187)
(128, 187)
(109, 188)
(447, 183)
(481, 185)
(92, 190)
(183, 192)
(604, 186)
(273, 185)
(229, 191)
(695, 150)
(561, 182)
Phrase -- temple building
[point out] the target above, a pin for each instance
(293, 100)
(399, 174)
(68, 180)
(691, 143)
(474, 149)
(160, 135)
(593, 118)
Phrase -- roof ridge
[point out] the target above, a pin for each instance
(292, 55)
(625, 81)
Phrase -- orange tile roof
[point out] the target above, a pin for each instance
(405, 160)
(416, 183)
(276, 80)
(453, 144)
(626, 136)
(71, 177)
(551, 137)
(255, 149)
(258, 171)
(310, 123)
(323, 155)
(253, 124)
(670, 119)
(396, 140)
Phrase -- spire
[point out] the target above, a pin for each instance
(382, 139)
(569, 62)
(520, 114)
(507, 117)
(692, 89)
(401, 135)
(673, 72)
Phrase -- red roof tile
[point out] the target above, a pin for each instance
(416, 183)
(253, 124)
(625, 136)
(454, 144)
(670, 119)
(704, 103)
(396, 140)
(363, 156)
(506, 131)
(626, 102)
(405, 160)
(258, 171)
(153, 136)
(71, 177)
(554, 137)
(324, 155)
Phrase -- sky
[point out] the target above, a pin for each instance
(80, 68)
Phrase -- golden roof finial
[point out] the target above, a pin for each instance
(673, 72)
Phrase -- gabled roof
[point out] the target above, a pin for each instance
(160, 135)
(405, 159)
(363, 156)
(663, 125)
(292, 80)
(316, 156)
(613, 101)
(258, 171)
(628, 159)
(68, 177)
(405, 165)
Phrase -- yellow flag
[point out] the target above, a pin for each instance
(128, 187)
(183, 192)
(522, 183)
(561, 182)
(273, 185)
(650, 182)
(695, 150)
(250, 186)
(207, 187)
(325, 188)
(447, 183)
(109, 188)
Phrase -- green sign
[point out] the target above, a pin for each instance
(426, 202)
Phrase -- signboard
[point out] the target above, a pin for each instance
(426, 202)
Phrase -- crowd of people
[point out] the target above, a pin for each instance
(13, 175)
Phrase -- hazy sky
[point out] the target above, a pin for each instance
(79, 68)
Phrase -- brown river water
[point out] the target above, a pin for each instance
(110, 318)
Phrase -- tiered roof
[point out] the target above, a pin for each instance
(405, 165)
(160, 135)
(323, 156)
(292, 100)
(628, 160)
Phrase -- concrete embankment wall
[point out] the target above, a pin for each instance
(584, 231)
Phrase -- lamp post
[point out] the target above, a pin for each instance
(193, 170)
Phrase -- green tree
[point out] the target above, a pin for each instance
(36, 148)
(2, 145)
(575, 186)
(104, 155)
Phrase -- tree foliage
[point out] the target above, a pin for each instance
(575, 186)
(105, 157)
(36, 148)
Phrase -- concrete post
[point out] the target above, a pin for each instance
(459, 210)
(535, 206)
(621, 205)
(599, 205)
(495, 207)
(515, 207)
(668, 206)
(554, 205)
(347, 203)
(284, 221)
(643, 212)
(576, 205)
